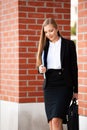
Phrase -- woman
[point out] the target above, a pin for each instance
(57, 60)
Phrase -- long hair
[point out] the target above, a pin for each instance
(42, 40)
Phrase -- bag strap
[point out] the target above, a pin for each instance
(74, 101)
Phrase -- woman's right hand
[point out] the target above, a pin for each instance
(42, 69)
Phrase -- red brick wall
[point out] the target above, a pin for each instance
(9, 74)
(82, 56)
(19, 45)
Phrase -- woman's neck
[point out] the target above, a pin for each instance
(56, 39)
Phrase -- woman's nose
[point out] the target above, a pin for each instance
(48, 34)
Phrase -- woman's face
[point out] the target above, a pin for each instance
(51, 32)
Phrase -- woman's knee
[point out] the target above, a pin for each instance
(57, 122)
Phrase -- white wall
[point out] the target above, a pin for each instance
(82, 123)
(9, 116)
(25, 116)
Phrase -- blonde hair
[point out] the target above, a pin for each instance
(42, 40)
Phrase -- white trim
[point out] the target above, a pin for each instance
(82, 123)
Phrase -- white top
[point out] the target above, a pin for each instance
(53, 57)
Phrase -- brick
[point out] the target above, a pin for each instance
(82, 58)
(27, 21)
(67, 5)
(22, 3)
(22, 83)
(29, 77)
(33, 38)
(28, 89)
(23, 49)
(85, 36)
(66, 28)
(81, 6)
(40, 99)
(32, 71)
(83, 89)
(85, 66)
(40, 88)
(83, 13)
(80, 66)
(35, 82)
(22, 26)
(34, 27)
(22, 72)
(22, 94)
(64, 22)
(80, 37)
(32, 60)
(85, 82)
(66, 16)
(62, 10)
(27, 44)
(25, 100)
(83, 74)
(80, 111)
(22, 61)
(27, 55)
(54, 4)
(85, 96)
(36, 15)
(55, 16)
(32, 49)
(27, 9)
(85, 20)
(34, 94)
(39, 77)
(49, 10)
(36, 4)
(82, 29)
(82, 44)
(26, 32)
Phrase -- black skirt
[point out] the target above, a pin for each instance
(57, 95)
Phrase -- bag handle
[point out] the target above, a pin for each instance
(74, 101)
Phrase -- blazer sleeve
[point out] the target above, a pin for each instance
(74, 67)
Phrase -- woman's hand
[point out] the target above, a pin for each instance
(42, 69)
(75, 95)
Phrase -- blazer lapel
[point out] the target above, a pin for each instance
(45, 53)
(62, 51)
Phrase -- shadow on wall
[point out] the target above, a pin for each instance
(29, 122)
(25, 121)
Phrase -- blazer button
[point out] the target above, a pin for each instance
(60, 73)
(62, 69)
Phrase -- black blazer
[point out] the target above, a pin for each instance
(68, 62)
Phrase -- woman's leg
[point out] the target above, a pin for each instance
(56, 124)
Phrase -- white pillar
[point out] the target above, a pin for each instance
(82, 123)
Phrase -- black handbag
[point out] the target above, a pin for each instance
(72, 117)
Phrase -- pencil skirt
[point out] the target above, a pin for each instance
(57, 95)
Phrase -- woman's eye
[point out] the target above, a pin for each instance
(51, 30)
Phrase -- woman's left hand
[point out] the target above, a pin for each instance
(75, 95)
